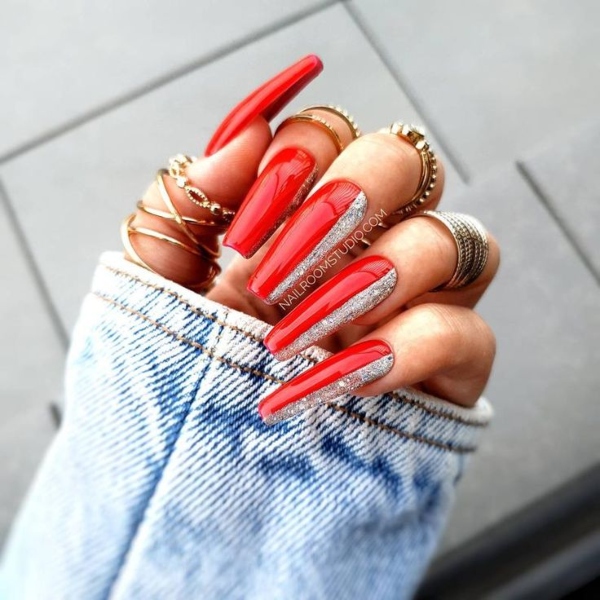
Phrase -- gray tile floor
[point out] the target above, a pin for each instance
(100, 95)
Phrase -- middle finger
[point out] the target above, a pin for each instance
(375, 176)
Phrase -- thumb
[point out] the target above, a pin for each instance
(224, 177)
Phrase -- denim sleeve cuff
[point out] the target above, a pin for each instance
(234, 341)
(163, 482)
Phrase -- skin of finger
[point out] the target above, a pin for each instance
(447, 351)
(225, 177)
(424, 255)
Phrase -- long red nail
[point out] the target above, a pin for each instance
(320, 225)
(353, 292)
(279, 190)
(267, 100)
(337, 375)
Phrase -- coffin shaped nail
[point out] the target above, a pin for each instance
(321, 224)
(339, 374)
(279, 190)
(353, 292)
(267, 100)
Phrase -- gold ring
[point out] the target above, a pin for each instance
(178, 165)
(199, 244)
(319, 122)
(416, 136)
(340, 112)
(472, 245)
(127, 229)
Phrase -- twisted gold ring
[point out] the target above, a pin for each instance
(178, 165)
(201, 244)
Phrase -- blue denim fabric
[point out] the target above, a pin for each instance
(164, 483)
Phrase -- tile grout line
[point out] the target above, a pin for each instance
(536, 188)
(33, 266)
(410, 94)
(161, 81)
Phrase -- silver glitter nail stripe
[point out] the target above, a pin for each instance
(342, 229)
(357, 305)
(375, 370)
(291, 207)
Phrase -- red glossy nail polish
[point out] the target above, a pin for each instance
(354, 291)
(279, 190)
(321, 224)
(339, 374)
(267, 100)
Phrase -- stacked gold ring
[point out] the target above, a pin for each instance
(472, 246)
(306, 116)
(319, 122)
(196, 244)
(340, 112)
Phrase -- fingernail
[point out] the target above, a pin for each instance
(339, 374)
(267, 100)
(321, 224)
(353, 292)
(279, 190)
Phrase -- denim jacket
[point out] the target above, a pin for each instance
(164, 483)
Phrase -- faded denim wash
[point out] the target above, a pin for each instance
(164, 483)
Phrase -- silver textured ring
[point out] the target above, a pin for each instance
(472, 245)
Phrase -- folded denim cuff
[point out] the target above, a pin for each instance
(234, 340)
(163, 482)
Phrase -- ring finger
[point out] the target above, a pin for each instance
(398, 270)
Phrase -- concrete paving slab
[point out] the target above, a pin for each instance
(545, 310)
(566, 172)
(65, 59)
(31, 353)
(93, 176)
(495, 78)
(23, 442)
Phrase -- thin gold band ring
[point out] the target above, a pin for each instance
(323, 124)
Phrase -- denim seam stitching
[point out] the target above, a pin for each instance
(395, 395)
(399, 432)
(350, 413)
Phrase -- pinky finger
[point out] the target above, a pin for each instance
(448, 351)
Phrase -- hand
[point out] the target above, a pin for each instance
(438, 343)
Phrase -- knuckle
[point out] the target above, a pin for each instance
(390, 149)
(449, 322)
(463, 330)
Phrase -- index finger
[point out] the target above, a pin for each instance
(303, 148)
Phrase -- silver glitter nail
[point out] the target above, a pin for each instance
(375, 370)
(344, 226)
(358, 305)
